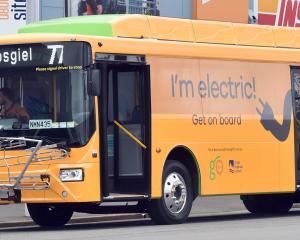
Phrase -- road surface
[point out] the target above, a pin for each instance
(215, 221)
(228, 226)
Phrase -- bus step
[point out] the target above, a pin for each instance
(116, 197)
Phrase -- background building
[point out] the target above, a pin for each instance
(220, 10)
(37, 10)
(16, 13)
(49, 9)
(284, 13)
(13, 14)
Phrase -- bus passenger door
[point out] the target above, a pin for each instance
(295, 72)
(128, 138)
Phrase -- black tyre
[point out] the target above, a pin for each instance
(175, 205)
(268, 204)
(50, 215)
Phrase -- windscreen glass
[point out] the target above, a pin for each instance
(46, 98)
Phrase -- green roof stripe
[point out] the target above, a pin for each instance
(88, 25)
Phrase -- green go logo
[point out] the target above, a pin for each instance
(216, 168)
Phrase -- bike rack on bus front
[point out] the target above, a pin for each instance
(14, 178)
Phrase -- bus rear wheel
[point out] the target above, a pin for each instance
(175, 205)
(50, 215)
(268, 204)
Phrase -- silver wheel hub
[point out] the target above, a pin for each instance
(175, 193)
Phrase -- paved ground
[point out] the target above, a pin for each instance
(218, 227)
(212, 218)
(217, 205)
(10, 213)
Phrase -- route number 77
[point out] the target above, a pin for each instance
(56, 49)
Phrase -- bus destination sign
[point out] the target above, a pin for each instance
(45, 55)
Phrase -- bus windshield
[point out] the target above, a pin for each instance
(52, 104)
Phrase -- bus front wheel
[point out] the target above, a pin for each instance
(268, 204)
(175, 205)
(50, 215)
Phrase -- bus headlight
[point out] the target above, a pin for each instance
(71, 175)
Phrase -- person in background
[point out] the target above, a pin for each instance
(95, 7)
(9, 108)
(90, 7)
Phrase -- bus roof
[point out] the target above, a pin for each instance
(162, 28)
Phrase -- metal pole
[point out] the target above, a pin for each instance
(66, 8)
(18, 180)
(127, 6)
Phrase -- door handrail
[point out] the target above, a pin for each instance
(130, 134)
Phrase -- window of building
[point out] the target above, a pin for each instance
(50, 9)
(95, 7)
(176, 8)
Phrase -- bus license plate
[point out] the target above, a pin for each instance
(40, 124)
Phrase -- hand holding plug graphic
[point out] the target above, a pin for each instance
(279, 131)
(266, 114)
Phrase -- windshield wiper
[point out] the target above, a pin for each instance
(60, 142)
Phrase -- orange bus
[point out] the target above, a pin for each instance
(149, 110)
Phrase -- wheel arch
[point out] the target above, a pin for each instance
(186, 156)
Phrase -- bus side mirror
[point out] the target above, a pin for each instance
(94, 83)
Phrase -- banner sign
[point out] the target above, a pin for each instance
(221, 10)
(13, 15)
(279, 13)
(63, 54)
